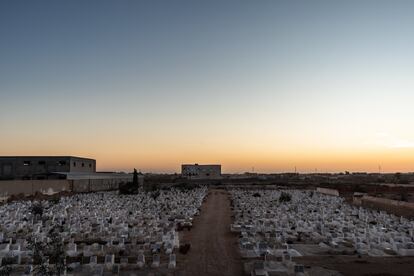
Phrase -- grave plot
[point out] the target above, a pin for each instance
(98, 232)
(281, 225)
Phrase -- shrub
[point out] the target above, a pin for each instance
(403, 195)
(359, 189)
(37, 208)
(55, 200)
(5, 270)
(184, 248)
(53, 252)
(155, 194)
(285, 197)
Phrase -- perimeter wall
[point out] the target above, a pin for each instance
(399, 208)
(31, 187)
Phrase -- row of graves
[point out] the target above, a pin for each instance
(280, 225)
(96, 233)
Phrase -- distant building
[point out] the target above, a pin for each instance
(201, 171)
(44, 167)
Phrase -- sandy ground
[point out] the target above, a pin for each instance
(213, 247)
(364, 266)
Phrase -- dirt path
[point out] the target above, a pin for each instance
(365, 266)
(213, 247)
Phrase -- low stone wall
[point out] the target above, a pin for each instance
(327, 191)
(31, 187)
(94, 185)
(399, 208)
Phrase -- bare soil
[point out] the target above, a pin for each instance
(214, 248)
(364, 266)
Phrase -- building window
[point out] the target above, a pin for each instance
(90, 165)
(27, 163)
(74, 164)
(62, 163)
(42, 163)
(83, 164)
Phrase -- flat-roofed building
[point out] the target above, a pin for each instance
(201, 171)
(43, 167)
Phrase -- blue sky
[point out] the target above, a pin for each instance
(152, 84)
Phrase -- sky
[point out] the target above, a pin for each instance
(268, 86)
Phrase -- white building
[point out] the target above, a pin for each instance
(201, 171)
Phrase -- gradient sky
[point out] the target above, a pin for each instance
(320, 85)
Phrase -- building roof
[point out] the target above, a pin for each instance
(48, 156)
(196, 164)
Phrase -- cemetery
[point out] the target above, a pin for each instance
(277, 226)
(109, 233)
(96, 233)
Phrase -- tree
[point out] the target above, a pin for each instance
(130, 188)
(135, 177)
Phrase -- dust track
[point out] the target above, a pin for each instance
(213, 247)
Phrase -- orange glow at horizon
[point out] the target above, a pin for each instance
(237, 159)
(163, 147)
